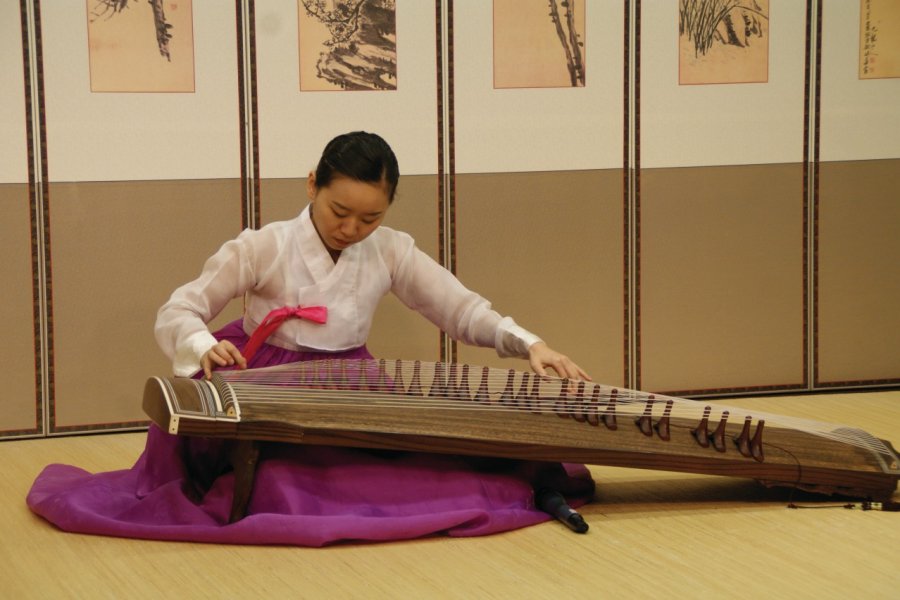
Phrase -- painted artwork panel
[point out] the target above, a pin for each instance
(718, 125)
(859, 119)
(537, 45)
(568, 129)
(141, 136)
(290, 147)
(723, 41)
(347, 44)
(141, 46)
(879, 39)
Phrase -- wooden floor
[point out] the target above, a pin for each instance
(652, 535)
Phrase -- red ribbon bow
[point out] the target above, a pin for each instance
(316, 314)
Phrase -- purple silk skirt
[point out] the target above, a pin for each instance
(303, 495)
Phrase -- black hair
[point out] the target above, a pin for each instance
(361, 156)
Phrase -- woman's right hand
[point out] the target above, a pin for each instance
(541, 356)
(223, 354)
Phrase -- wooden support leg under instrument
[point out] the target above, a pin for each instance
(244, 457)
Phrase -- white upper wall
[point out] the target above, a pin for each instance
(860, 118)
(721, 124)
(14, 149)
(140, 136)
(550, 129)
(294, 126)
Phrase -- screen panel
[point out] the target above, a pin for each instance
(858, 324)
(119, 250)
(721, 279)
(13, 150)
(295, 125)
(547, 249)
(721, 124)
(21, 413)
(501, 130)
(110, 136)
(859, 117)
(17, 353)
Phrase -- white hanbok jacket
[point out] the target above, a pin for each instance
(286, 264)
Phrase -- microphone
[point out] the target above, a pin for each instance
(552, 502)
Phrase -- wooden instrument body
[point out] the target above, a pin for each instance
(547, 420)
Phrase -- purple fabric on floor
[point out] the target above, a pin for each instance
(303, 495)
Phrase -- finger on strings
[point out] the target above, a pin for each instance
(578, 373)
(235, 357)
(538, 368)
(206, 363)
(563, 368)
(220, 356)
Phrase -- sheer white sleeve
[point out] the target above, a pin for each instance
(181, 329)
(427, 287)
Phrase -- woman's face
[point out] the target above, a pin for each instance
(347, 211)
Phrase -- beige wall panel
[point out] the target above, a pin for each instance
(397, 332)
(859, 272)
(281, 199)
(119, 249)
(547, 249)
(721, 278)
(17, 352)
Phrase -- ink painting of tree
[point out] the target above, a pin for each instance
(141, 45)
(723, 41)
(539, 43)
(347, 44)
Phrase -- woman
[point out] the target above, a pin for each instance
(335, 258)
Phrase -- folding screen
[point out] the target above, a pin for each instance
(143, 186)
(22, 412)
(671, 222)
(858, 247)
(721, 237)
(539, 182)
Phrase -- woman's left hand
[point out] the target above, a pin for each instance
(541, 356)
